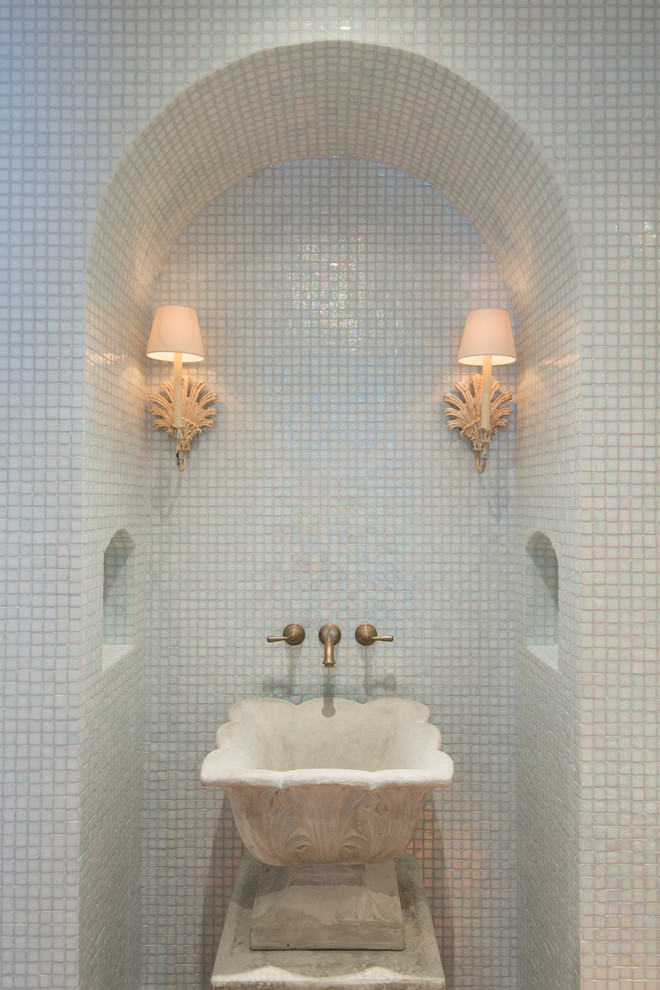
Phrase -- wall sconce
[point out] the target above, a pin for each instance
(478, 410)
(183, 412)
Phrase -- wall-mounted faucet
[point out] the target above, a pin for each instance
(293, 634)
(367, 634)
(329, 635)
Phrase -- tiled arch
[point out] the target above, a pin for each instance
(333, 98)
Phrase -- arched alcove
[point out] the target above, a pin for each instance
(311, 101)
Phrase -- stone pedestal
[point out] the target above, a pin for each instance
(415, 967)
(327, 906)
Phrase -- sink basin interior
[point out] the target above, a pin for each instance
(387, 734)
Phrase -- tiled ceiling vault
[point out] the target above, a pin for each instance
(334, 98)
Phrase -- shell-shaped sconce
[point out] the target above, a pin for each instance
(197, 413)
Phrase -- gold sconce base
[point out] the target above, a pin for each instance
(464, 414)
(196, 412)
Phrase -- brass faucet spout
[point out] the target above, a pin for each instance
(329, 659)
(329, 635)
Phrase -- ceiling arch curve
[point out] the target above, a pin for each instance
(333, 98)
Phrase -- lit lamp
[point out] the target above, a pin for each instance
(479, 408)
(182, 411)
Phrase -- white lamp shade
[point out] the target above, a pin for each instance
(487, 331)
(175, 330)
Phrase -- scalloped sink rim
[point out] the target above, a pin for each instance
(276, 743)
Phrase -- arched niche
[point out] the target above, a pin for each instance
(542, 599)
(119, 598)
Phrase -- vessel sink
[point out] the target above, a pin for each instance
(329, 780)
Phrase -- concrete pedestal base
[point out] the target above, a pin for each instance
(416, 967)
(327, 906)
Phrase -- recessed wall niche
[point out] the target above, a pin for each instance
(542, 600)
(119, 599)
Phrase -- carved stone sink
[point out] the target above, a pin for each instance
(327, 781)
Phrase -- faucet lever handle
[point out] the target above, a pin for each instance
(293, 634)
(367, 634)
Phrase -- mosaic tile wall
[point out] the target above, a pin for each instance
(40, 551)
(83, 81)
(546, 513)
(332, 295)
(620, 668)
(112, 673)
